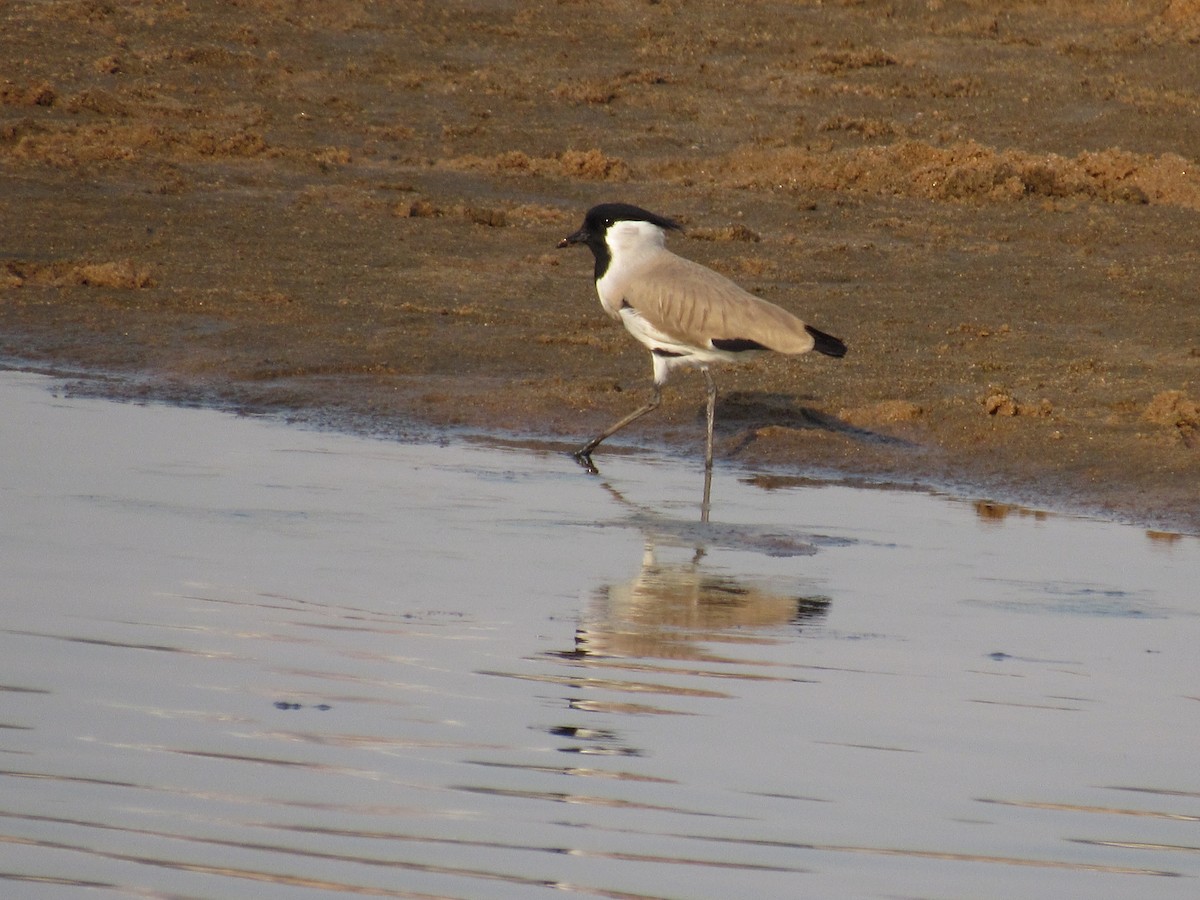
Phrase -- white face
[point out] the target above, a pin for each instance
(624, 238)
(631, 243)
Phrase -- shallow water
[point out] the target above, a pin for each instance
(244, 659)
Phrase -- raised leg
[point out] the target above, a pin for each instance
(584, 453)
(712, 411)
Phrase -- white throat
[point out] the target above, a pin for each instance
(630, 242)
(631, 245)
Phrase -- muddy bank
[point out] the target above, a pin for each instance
(347, 211)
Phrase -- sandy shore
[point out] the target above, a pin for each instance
(347, 211)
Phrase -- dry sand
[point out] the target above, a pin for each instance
(347, 211)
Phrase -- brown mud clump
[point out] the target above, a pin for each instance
(348, 211)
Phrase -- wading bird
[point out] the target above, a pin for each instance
(684, 313)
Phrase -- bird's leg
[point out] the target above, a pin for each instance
(712, 411)
(706, 502)
(584, 453)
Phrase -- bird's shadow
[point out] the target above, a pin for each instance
(746, 412)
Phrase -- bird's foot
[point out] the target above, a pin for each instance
(583, 456)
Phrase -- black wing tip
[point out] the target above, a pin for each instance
(826, 343)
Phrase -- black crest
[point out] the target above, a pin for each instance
(599, 218)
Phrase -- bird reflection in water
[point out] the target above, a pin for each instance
(674, 609)
(654, 644)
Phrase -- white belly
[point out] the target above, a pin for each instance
(670, 354)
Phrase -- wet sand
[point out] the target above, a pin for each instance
(347, 212)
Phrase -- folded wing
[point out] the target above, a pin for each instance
(699, 307)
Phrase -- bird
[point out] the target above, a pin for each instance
(684, 313)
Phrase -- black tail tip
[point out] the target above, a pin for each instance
(826, 343)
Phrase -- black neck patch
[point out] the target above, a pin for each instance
(603, 256)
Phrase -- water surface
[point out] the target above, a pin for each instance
(244, 659)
